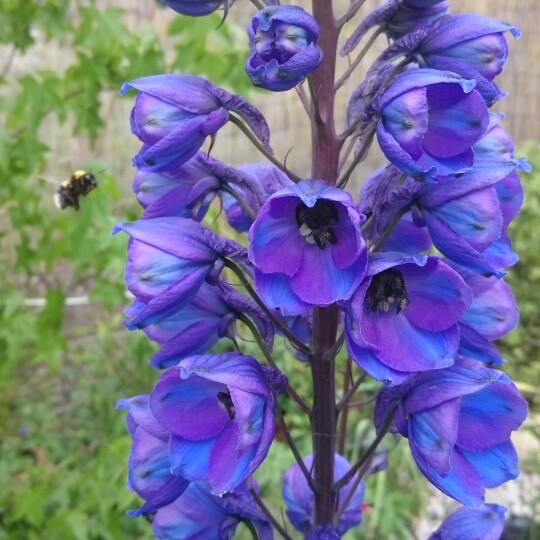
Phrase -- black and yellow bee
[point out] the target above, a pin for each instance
(79, 184)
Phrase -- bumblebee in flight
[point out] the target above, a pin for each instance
(79, 184)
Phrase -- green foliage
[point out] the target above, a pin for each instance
(63, 367)
(225, 48)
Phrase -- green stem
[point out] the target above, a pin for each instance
(277, 525)
(350, 14)
(257, 4)
(249, 211)
(229, 263)
(351, 391)
(367, 454)
(359, 156)
(384, 236)
(294, 450)
(271, 362)
(237, 122)
(251, 529)
(341, 81)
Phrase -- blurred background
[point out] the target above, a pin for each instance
(65, 357)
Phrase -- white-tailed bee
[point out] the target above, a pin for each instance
(79, 184)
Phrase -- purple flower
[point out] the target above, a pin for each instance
(196, 8)
(268, 179)
(187, 190)
(283, 42)
(478, 53)
(196, 327)
(458, 422)
(413, 13)
(172, 192)
(429, 120)
(398, 18)
(199, 515)
(300, 500)
(492, 314)
(307, 247)
(483, 523)
(403, 317)
(149, 467)
(323, 532)
(173, 115)
(168, 260)
(218, 411)
(467, 215)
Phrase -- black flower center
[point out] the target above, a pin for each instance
(387, 290)
(226, 401)
(316, 224)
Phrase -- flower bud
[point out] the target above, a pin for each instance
(283, 47)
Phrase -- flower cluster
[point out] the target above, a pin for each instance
(408, 276)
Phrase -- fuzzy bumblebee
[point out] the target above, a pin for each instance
(79, 184)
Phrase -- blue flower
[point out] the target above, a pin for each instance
(218, 412)
(307, 247)
(403, 318)
(168, 260)
(149, 466)
(173, 115)
(483, 523)
(492, 314)
(429, 121)
(283, 42)
(196, 8)
(199, 515)
(187, 190)
(196, 327)
(300, 499)
(478, 53)
(458, 422)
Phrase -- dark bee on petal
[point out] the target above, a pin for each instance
(226, 401)
(316, 223)
(79, 184)
(387, 290)
(324, 236)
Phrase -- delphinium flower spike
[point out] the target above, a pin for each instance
(403, 285)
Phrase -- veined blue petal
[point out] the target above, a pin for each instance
(456, 248)
(190, 459)
(483, 523)
(496, 465)
(435, 432)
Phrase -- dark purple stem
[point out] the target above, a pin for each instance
(326, 147)
(325, 143)
(323, 419)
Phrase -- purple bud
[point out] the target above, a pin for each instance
(196, 8)
(173, 115)
(283, 42)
